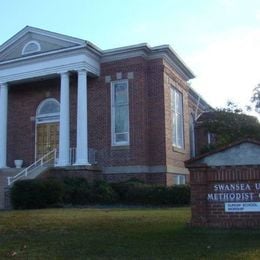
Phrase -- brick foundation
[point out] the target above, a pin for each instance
(93, 173)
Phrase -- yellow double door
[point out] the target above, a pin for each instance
(47, 138)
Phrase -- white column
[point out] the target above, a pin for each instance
(82, 120)
(3, 123)
(64, 137)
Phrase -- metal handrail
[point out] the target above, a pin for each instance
(51, 156)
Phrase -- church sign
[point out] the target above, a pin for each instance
(225, 187)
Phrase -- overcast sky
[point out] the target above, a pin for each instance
(218, 39)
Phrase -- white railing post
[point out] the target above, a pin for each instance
(55, 157)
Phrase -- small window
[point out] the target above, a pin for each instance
(179, 180)
(119, 112)
(211, 138)
(31, 47)
(177, 118)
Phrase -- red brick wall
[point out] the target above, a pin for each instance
(156, 113)
(146, 114)
(149, 107)
(175, 157)
(23, 100)
(209, 213)
(100, 114)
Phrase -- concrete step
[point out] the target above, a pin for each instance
(11, 171)
(36, 172)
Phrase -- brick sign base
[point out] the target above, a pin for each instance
(225, 196)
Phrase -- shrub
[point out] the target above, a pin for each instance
(178, 195)
(135, 192)
(36, 194)
(102, 192)
(32, 194)
(157, 195)
(122, 188)
(76, 191)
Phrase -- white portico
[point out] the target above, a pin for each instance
(34, 53)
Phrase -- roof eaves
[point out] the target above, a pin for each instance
(175, 58)
(190, 162)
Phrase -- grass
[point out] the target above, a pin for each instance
(137, 233)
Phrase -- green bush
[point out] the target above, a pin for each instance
(76, 191)
(122, 188)
(133, 192)
(36, 194)
(102, 192)
(32, 194)
(178, 195)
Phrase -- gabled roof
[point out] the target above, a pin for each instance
(201, 160)
(199, 100)
(50, 42)
(29, 29)
(10, 51)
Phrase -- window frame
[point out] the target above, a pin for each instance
(180, 179)
(37, 44)
(113, 111)
(48, 117)
(174, 115)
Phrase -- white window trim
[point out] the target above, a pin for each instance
(51, 117)
(24, 52)
(173, 112)
(181, 180)
(55, 119)
(113, 141)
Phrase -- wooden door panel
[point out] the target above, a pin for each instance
(47, 138)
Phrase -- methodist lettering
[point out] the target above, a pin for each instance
(234, 192)
(231, 196)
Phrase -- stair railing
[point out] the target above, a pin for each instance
(48, 159)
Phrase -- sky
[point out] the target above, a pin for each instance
(219, 40)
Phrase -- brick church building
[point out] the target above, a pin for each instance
(125, 112)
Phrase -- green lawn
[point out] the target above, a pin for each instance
(118, 234)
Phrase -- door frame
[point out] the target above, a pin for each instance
(48, 131)
(44, 119)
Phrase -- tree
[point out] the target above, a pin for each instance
(231, 124)
(256, 98)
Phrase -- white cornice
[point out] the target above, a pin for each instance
(144, 50)
(39, 55)
(43, 67)
(139, 50)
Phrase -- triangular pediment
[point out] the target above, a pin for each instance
(245, 152)
(33, 41)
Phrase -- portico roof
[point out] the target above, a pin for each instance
(57, 53)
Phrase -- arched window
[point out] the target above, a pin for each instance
(31, 47)
(48, 111)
